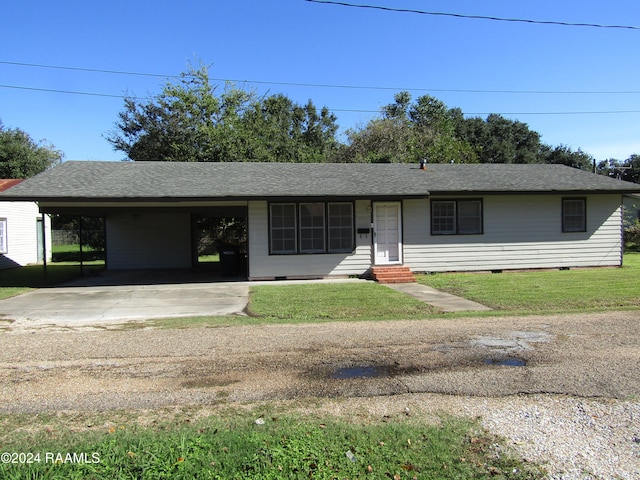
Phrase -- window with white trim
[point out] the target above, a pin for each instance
(574, 215)
(3, 235)
(456, 217)
(311, 227)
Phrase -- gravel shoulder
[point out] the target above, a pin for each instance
(573, 401)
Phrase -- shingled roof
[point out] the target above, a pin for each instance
(146, 181)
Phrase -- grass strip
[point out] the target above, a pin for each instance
(287, 447)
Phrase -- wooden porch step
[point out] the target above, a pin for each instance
(393, 274)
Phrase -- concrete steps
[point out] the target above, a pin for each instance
(392, 274)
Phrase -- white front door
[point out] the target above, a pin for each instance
(387, 239)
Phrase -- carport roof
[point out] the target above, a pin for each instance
(158, 181)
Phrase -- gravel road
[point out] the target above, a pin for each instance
(564, 390)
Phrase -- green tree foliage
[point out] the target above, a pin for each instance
(628, 170)
(22, 157)
(565, 156)
(188, 121)
(500, 140)
(408, 133)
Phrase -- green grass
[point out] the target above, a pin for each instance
(71, 253)
(236, 447)
(15, 281)
(333, 301)
(548, 291)
(19, 280)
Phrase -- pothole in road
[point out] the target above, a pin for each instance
(386, 371)
(506, 362)
(375, 371)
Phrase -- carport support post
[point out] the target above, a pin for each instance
(44, 244)
(80, 239)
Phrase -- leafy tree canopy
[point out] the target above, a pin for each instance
(22, 157)
(628, 170)
(427, 129)
(409, 133)
(189, 121)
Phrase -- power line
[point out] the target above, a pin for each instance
(475, 17)
(70, 92)
(94, 70)
(107, 95)
(336, 86)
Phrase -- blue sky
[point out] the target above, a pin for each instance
(463, 62)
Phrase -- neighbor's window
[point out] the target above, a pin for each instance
(574, 215)
(311, 227)
(283, 228)
(3, 235)
(456, 217)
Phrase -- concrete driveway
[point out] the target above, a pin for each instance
(111, 300)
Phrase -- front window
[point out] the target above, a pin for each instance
(311, 227)
(283, 228)
(340, 227)
(574, 215)
(456, 217)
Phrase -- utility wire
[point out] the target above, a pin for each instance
(329, 85)
(71, 92)
(474, 17)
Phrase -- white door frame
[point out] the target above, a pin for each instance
(390, 253)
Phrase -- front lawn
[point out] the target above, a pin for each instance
(548, 291)
(333, 301)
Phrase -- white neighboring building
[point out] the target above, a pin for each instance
(21, 233)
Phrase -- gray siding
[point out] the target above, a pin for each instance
(22, 238)
(148, 240)
(264, 265)
(520, 231)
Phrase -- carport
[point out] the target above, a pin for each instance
(138, 236)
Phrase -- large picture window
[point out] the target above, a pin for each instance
(311, 227)
(574, 215)
(456, 217)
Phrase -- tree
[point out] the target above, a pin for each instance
(409, 132)
(565, 156)
(22, 157)
(188, 121)
(500, 140)
(629, 170)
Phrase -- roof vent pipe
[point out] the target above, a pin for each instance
(423, 164)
